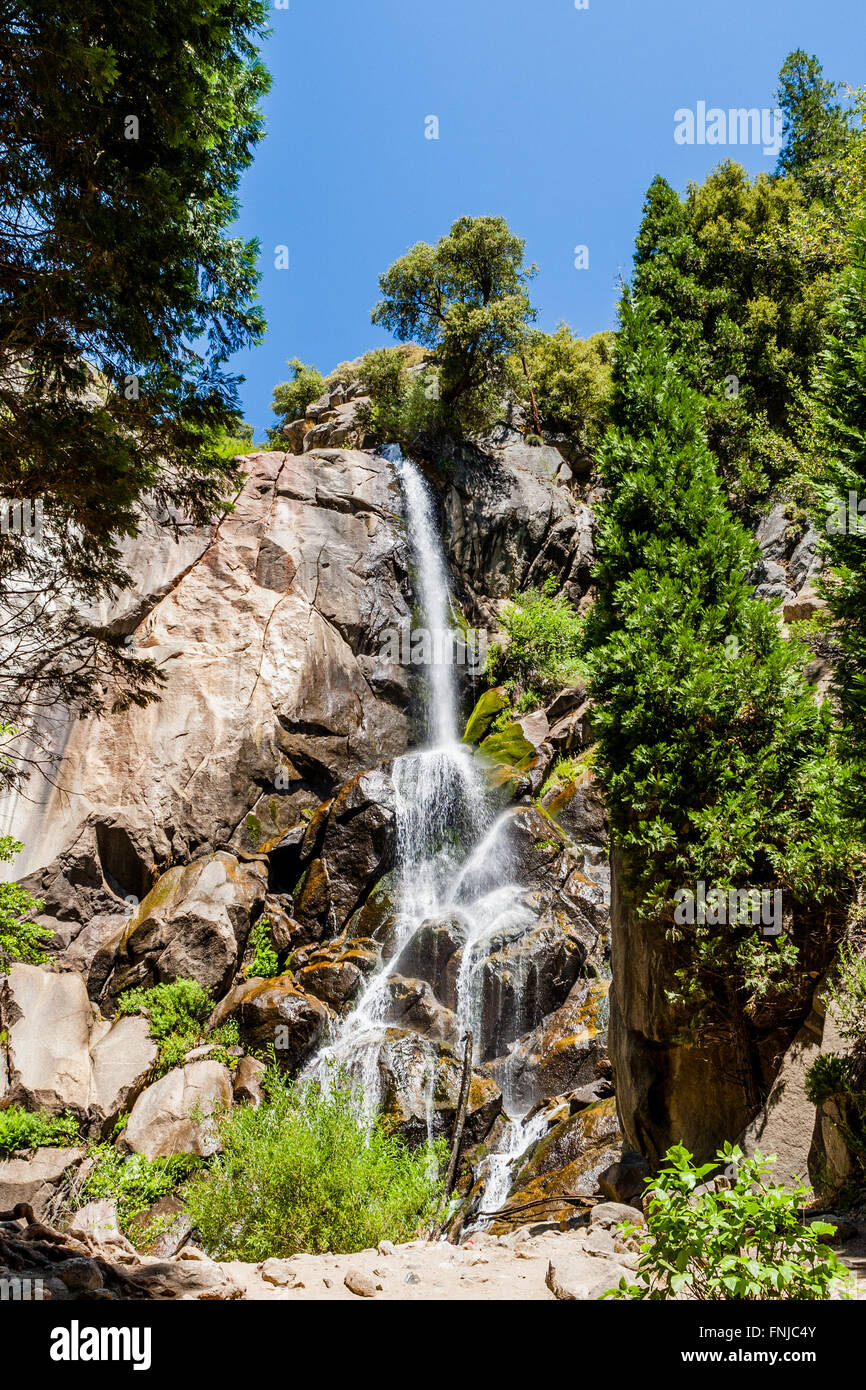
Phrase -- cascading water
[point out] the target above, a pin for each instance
(452, 852)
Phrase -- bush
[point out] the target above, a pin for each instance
(23, 1129)
(571, 379)
(305, 1171)
(265, 961)
(134, 1183)
(21, 939)
(848, 995)
(545, 638)
(177, 1013)
(403, 407)
(291, 398)
(743, 1242)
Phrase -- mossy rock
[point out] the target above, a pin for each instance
(492, 702)
(509, 746)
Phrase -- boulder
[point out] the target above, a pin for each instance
(192, 925)
(427, 954)
(47, 1018)
(334, 982)
(247, 1080)
(578, 809)
(579, 1277)
(624, 1181)
(33, 1176)
(121, 1060)
(275, 1013)
(412, 1004)
(174, 1115)
(420, 1087)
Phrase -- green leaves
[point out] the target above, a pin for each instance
(21, 939)
(735, 1236)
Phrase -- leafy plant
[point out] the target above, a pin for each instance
(265, 961)
(176, 1012)
(21, 939)
(571, 381)
(291, 398)
(133, 1182)
(26, 1129)
(744, 1241)
(545, 637)
(308, 1171)
(848, 994)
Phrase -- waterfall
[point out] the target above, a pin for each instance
(452, 849)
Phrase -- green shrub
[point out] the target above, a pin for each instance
(265, 962)
(291, 398)
(571, 381)
(176, 1012)
(25, 1129)
(848, 994)
(133, 1182)
(742, 1242)
(305, 1171)
(545, 638)
(21, 939)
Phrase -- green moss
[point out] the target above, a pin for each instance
(489, 705)
(254, 828)
(510, 746)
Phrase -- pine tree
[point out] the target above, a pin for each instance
(715, 760)
(843, 400)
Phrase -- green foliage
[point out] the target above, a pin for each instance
(21, 939)
(848, 995)
(843, 403)
(291, 398)
(745, 1241)
(571, 379)
(713, 757)
(176, 1013)
(545, 636)
(829, 1075)
(125, 294)
(265, 962)
(24, 1129)
(464, 299)
(744, 300)
(133, 1182)
(305, 1171)
(816, 127)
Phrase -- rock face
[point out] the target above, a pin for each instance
(61, 1057)
(32, 1177)
(663, 1078)
(277, 691)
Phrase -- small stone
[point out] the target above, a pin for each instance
(80, 1275)
(362, 1284)
(328, 1283)
(411, 1278)
(278, 1272)
(385, 1247)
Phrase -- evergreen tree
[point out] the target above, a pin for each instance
(715, 761)
(816, 127)
(843, 399)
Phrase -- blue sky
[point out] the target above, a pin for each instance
(555, 117)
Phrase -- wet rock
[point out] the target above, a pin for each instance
(428, 954)
(595, 1128)
(488, 706)
(564, 1052)
(174, 1114)
(275, 1013)
(192, 925)
(578, 809)
(420, 1080)
(348, 849)
(334, 982)
(414, 1005)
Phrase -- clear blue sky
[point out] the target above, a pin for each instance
(554, 117)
